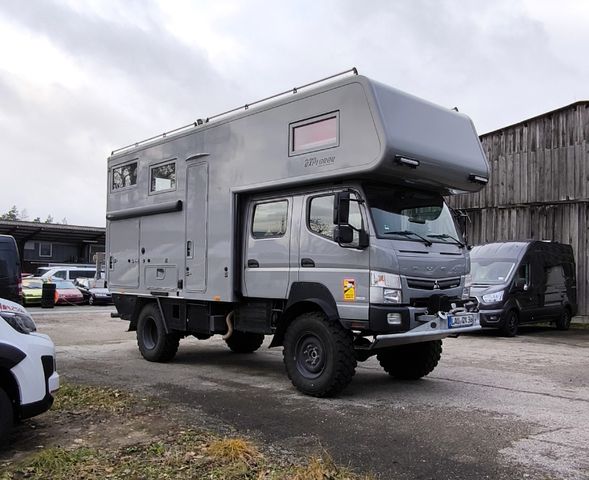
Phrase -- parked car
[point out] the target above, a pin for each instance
(65, 272)
(10, 272)
(66, 293)
(94, 291)
(28, 376)
(524, 282)
(32, 290)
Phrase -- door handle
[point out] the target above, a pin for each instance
(307, 262)
(251, 263)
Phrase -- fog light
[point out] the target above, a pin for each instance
(394, 318)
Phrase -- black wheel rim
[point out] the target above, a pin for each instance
(310, 356)
(149, 333)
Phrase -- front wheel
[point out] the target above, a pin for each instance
(564, 321)
(6, 417)
(319, 355)
(511, 324)
(154, 343)
(411, 361)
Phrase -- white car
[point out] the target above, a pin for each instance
(28, 376)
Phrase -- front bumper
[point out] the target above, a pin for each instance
(432, 327)
(491, 318)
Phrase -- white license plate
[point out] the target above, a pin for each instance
(457, 321)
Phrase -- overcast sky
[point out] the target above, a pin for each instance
(81, 78)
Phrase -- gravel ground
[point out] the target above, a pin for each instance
(494, 408)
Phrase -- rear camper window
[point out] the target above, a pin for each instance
(163, 177)
(314, 134)
(270, 219)
(124, 176)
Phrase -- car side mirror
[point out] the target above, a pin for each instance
(521, 284)
(341, 208)
(343, 234)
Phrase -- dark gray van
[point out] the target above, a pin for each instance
(524, 282)
(10, 273)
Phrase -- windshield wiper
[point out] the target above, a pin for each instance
(445, 235)
(407, 233)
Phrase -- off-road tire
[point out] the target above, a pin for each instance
(244, 342)
(412, 361)
(6, 417)
(154, 343)
(564, 321)
(318, 355)
(511, 325)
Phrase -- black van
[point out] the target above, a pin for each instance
(10, 273)
(524, 282)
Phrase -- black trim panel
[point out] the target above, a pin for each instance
(10, 356)
(36, 408)
(166, 207)
(315, 293)
(378, 319)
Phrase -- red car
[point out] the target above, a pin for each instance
(66, 293)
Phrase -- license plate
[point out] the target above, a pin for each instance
(456, 321)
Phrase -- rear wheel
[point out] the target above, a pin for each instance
(511, 324)
(319, 355)
(564, 321)
(91, 300)
(154, 343)
(6, 417)
(244, 342)
(412, 361)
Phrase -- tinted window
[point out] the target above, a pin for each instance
(60, 274)
(555, 276)
(82, 274)
(320, 220)
(124, 176)
(163, 177)
(270, 219)
(523, 273)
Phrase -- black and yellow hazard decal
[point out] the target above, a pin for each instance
(349, 289)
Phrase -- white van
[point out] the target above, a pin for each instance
(66, 272)
(28, 375)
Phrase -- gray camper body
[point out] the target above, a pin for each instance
(229, 227)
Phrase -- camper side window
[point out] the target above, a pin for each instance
(270, 219)
(124, 176)
(163, 177)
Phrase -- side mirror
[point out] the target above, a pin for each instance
(520, 284)
(343, 234)
(341, 208)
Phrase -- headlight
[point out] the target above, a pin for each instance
(385, 288)
(493, 297)
(20, 322)
(467, 285)
(381, 279)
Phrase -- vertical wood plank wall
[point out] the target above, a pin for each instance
(539, 186)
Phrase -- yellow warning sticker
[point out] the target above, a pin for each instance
(349, 289)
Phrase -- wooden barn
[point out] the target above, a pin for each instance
(539, 186)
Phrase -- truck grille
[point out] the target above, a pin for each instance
(431, 284)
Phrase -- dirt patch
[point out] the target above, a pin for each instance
(96, 432)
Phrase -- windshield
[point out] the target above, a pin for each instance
(408, 214)
(32, 284)
(490, 271)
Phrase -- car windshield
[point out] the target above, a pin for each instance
(31, 285)
(409, 214)
(490, 271)
(64, 285)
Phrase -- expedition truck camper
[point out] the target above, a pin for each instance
(316, 216)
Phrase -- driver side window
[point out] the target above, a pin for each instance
(320, 216)
(523, 273)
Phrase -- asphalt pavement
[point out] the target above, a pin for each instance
(494, 408)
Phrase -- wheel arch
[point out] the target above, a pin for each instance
(305, 297)
(10, 385)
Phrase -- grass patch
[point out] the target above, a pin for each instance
(167, 452)
(86, 398)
